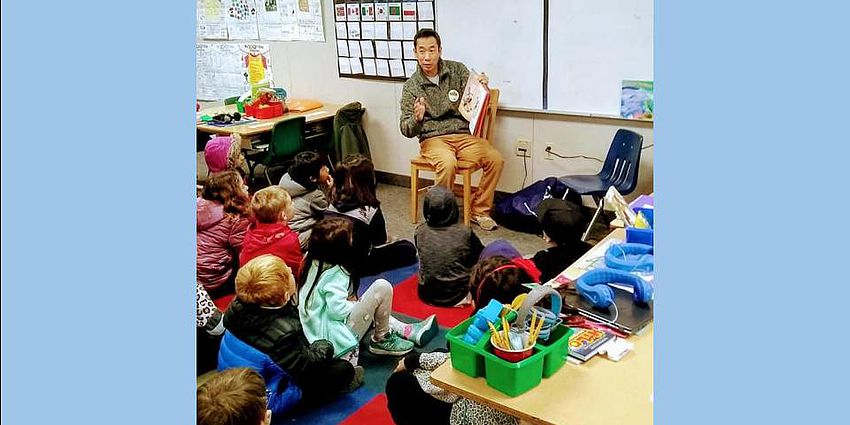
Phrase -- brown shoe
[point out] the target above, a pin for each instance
(485, 222)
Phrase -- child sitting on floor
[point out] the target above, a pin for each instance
(411, 397)
(562, 223)
(308, 182)
(447, 251)
(233, 397)
(355, 200)
(222, 153)
(223, 216)
(264, 317)
(270, 234)
(326, 312)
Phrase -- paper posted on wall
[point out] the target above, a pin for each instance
(473, 104)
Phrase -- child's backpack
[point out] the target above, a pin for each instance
(517, 211)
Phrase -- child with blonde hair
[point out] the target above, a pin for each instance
(233, 397)
(263, 316)
(269, 233)
(222, 218)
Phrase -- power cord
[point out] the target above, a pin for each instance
(550, 151)
(525, 170)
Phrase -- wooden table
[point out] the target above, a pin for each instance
(319, 124)
(599, 392)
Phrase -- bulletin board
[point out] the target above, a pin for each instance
(374, 39)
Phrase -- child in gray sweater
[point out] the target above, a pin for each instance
(447, 251)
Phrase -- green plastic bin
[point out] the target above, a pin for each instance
(467, 358)
(556, 348)
(510, 378)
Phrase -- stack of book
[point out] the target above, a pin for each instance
(586, 343)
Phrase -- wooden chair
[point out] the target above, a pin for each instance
(464, 168)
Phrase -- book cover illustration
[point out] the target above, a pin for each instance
(585, 343)
(637, 101)
(474, 102)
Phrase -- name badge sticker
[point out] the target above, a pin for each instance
(453, 95)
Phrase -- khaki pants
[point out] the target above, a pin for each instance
(444, 151)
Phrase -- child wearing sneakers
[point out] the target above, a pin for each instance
(327, 313)
(233, 397)
(308, 182)
(264, 317)
(269, 233)
(411, 397)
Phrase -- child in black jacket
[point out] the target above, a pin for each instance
(263, 316)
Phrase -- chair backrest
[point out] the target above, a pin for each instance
(287, 137)
(490, 119)
(621, 165)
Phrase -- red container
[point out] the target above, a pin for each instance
(272, 109)
(512, 356)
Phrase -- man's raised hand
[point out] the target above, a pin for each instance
(419, 109)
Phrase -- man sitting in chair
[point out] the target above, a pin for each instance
(429, 111)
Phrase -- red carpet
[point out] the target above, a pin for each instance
(406, 301)
(224, 302)
(373, 413)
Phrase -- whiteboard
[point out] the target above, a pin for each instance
(502, 38)
(594, 46)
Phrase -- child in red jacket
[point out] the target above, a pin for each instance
(269, 233)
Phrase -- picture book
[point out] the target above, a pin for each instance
(474, 102)
(585, 343)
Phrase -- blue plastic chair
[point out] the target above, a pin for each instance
(619, 170)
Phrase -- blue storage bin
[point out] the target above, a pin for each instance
(644, 236)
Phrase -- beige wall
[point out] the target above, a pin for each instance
(309, 70)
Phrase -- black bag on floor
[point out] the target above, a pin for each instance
(517, 211)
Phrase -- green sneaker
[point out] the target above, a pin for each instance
(392, 345)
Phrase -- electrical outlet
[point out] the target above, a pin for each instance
(523, 148)
(548, 150)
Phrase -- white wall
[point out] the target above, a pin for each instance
(309, 70)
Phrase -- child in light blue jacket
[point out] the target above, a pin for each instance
(326, 312)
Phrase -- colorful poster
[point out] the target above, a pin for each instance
(212, 23)
(637, 100)
(226, 70)
(242, 20)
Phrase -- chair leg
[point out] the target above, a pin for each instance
(266, 172)
(467, 196)
(251, 169)
(414, 194)
(600, 202)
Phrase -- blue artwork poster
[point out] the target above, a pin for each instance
(637, 100)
